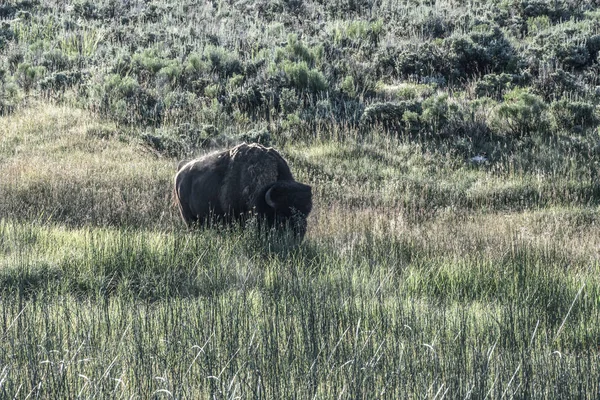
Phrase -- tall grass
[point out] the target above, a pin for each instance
(421, 275)
(118, 312)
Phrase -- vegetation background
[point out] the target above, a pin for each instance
(426, 272)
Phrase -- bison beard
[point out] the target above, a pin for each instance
(229, 185)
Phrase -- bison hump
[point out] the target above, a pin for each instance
(251, 167)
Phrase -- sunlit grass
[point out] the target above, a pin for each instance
(420, 274)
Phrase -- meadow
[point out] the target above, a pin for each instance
(424, 272)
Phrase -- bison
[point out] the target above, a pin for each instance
(247, 179)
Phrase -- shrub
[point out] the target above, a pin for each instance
(358, 33)
(169, 75)
(262, 136)
(348, 86)
(573, 115)
(448, 118)
(428, 59)
(9, 93)
(342, 8)
(179, 105)
(60, 81)
(385, 61)
(434, 25)
(537, 24)
(85, 9)
(522, 113)
(182, 140)
(303, 78)
(122, 65)
(223, 62)
(28, 75)
(553, 10)
(250, 100)
(148, 63)
(288, 101)
(556, 84)
(404, 91)
(297, 51)
(6, 34)
(123, 99)
(55, 60)
(572, 45)
(435, 111)
(7, 10)
(196, 65)
(357, 77)
(496, 85)
(485, 50)
(399, 116)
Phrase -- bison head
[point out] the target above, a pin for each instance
(286, 202)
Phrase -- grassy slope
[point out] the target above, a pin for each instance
(390, 295)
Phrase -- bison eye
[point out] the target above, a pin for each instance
(273, 198)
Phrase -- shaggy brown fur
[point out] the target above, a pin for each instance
(230, 183)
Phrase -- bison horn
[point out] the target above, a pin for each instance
(269, 200)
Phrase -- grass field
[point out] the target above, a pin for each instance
(423, 274)
(432, 279)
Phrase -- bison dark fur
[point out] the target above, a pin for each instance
(229, 185)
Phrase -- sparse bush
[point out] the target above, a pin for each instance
(522, 114)
(574, 116)
(304, 79)
(9, 93)
(484, 50)
(555, 85)
(262, 136)
(496, 85)
(60, 81)
(28, 75)
(573, 46)
(6, 34)
(125, 100)
(399, 116)
(435, 111)
(222, 62)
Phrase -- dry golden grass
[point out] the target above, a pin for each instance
(68, 163)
